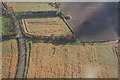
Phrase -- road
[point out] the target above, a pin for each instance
(20, 73)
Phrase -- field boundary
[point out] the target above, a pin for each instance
(69, 35)
(19, 51)
(24, 26)
(70, 28)
(28, 51)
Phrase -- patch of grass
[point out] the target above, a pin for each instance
(28, 6)
(8, 27)
(58, 42)
(8, 39)
(77, 44)
(28, 46)
(18, 35)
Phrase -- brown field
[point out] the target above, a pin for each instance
(46, 27)
(9, 58)
(71, 61)
(30, 6)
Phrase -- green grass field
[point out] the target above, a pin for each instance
(8, 27)
(30, 6)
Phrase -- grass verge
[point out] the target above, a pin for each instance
(28, 50)
(58, 42)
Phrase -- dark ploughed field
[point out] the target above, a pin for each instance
(93, 20)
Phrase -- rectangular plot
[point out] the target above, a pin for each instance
(70, 61)
(46, 26)
(30, 6)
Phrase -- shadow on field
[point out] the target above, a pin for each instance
(37, 16)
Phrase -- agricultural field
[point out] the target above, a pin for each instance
(28, 6)
(9, 58)
(8, 26)
(50, 26)
(71, 61)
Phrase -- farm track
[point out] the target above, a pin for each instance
(20, 73)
